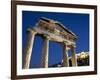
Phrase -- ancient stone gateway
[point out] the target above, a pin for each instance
(54, 31)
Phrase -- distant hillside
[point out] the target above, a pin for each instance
(82, 60)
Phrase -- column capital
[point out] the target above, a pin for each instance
(66, 45)
(74, 46)
(46, 36)
(65, 42)
(33, 31)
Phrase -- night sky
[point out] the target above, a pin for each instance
(77, 23)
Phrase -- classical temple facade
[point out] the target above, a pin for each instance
(50, 30)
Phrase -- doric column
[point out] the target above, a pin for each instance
(28, 49)
(74, 58)
(65, 56)
(45, 51)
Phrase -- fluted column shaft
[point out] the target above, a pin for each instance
(74, 59)
(28, 50)
(65, 56)
(45, 51)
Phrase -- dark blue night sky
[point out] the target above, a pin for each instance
(78, 23)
